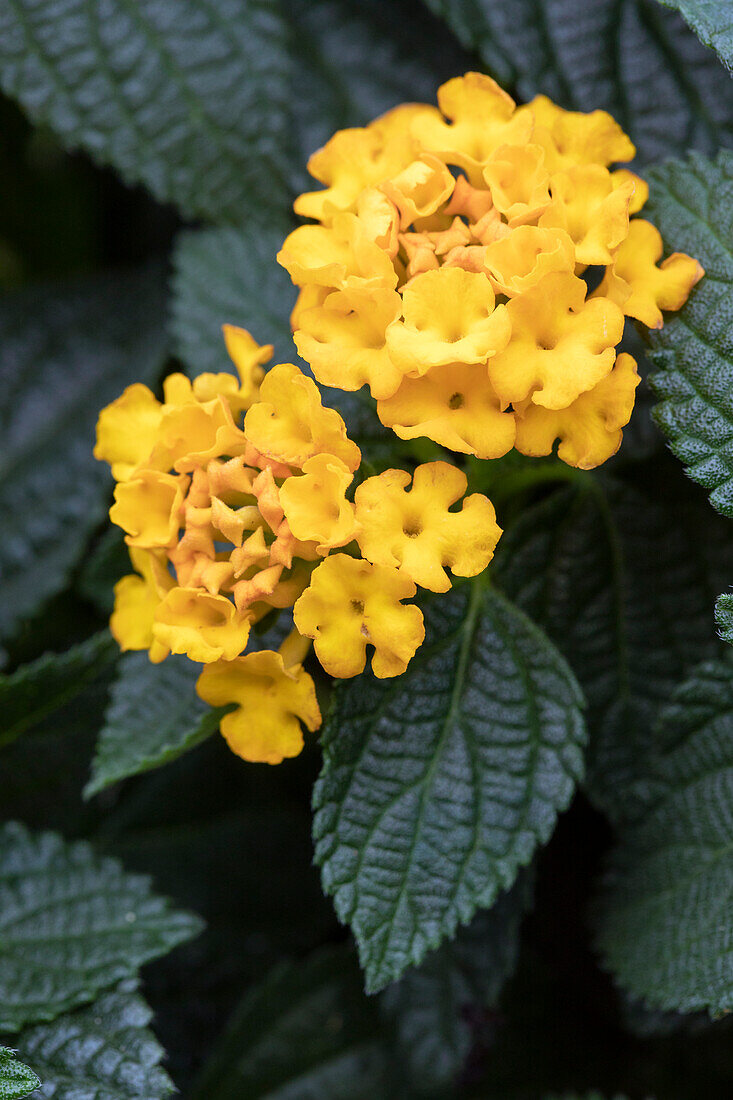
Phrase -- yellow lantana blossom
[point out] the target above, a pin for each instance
(351, 604)
(444, 273)
(232, 493)
(413, 530)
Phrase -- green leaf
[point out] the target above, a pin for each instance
(692, 204)
(16, 1080)
(230, 276)
(435, 1006)
(637, 61)
(712, 22)
(103, 1052)
(664, 918)
(154, 716)
(624, 583)
(357, 59)
(37, 690)
(438, 785)
(724, 616)
(189, 99)
(72, 924)
(63, 355)
(307, 1030)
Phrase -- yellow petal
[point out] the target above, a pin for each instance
(344, 340)
(454, 405)
(204, 627)
(137, 597)
(591, 209)
(272, 701)
(337, 256)
(561, 345)
(450, 316)
(420, 189)
(641, 286)
(289, 423)
(315, 503)
(414, 531)
(127, 430)
(519, 182)
(589, 430)
(517, 263)
(148, 508)
(350, 604)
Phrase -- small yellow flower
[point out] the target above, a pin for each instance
(344, 340)
(137, 598)
(272, 700)
(350, 604)
(420, 189)
(248, 357)
(589, 429)
(572, 137)
(518, 182)
(290, 424)
(449, 316)
(591, 209)
(315, 503)
(128, 429)
(204, 627)
(517, 262)
(482, 117)
(414, 531)
(337, 256)
(148, 508)
(561, 345)
(641, 286)
(455, 405)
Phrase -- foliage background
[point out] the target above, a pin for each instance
(149, 159)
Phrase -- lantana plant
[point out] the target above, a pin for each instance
(410, 472)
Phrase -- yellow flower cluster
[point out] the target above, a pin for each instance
(446, 272)
(232, 494)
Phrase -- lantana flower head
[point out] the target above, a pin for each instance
(236, 498)
(452, 267)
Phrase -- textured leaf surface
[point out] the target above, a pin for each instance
(693, 208)
(724, 616)
(154, 715)
(712, 22)
(438, 785)
(36, 690)
(664, 923)
(625, 585)
(632, 58)
(435, 1006)
(306, 1031)
(358, 58)
(63, 355)
(72, 924)
(16, 1080)
(186, 98)
(103, 1052)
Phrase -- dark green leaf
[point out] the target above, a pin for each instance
(664, 918)
(435, 1006)
(358, 58)
(692, 204)
(16, 1080)
(438, 785)
(71, 924)
(154, 715)
(636, 60)
(36, 690)
(625, 585)
(724, 616)
(63, 355)
(104, 1052)
(306, 1031)
(712, 22)
(188, 99)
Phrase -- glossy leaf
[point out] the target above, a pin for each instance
(437, 786)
